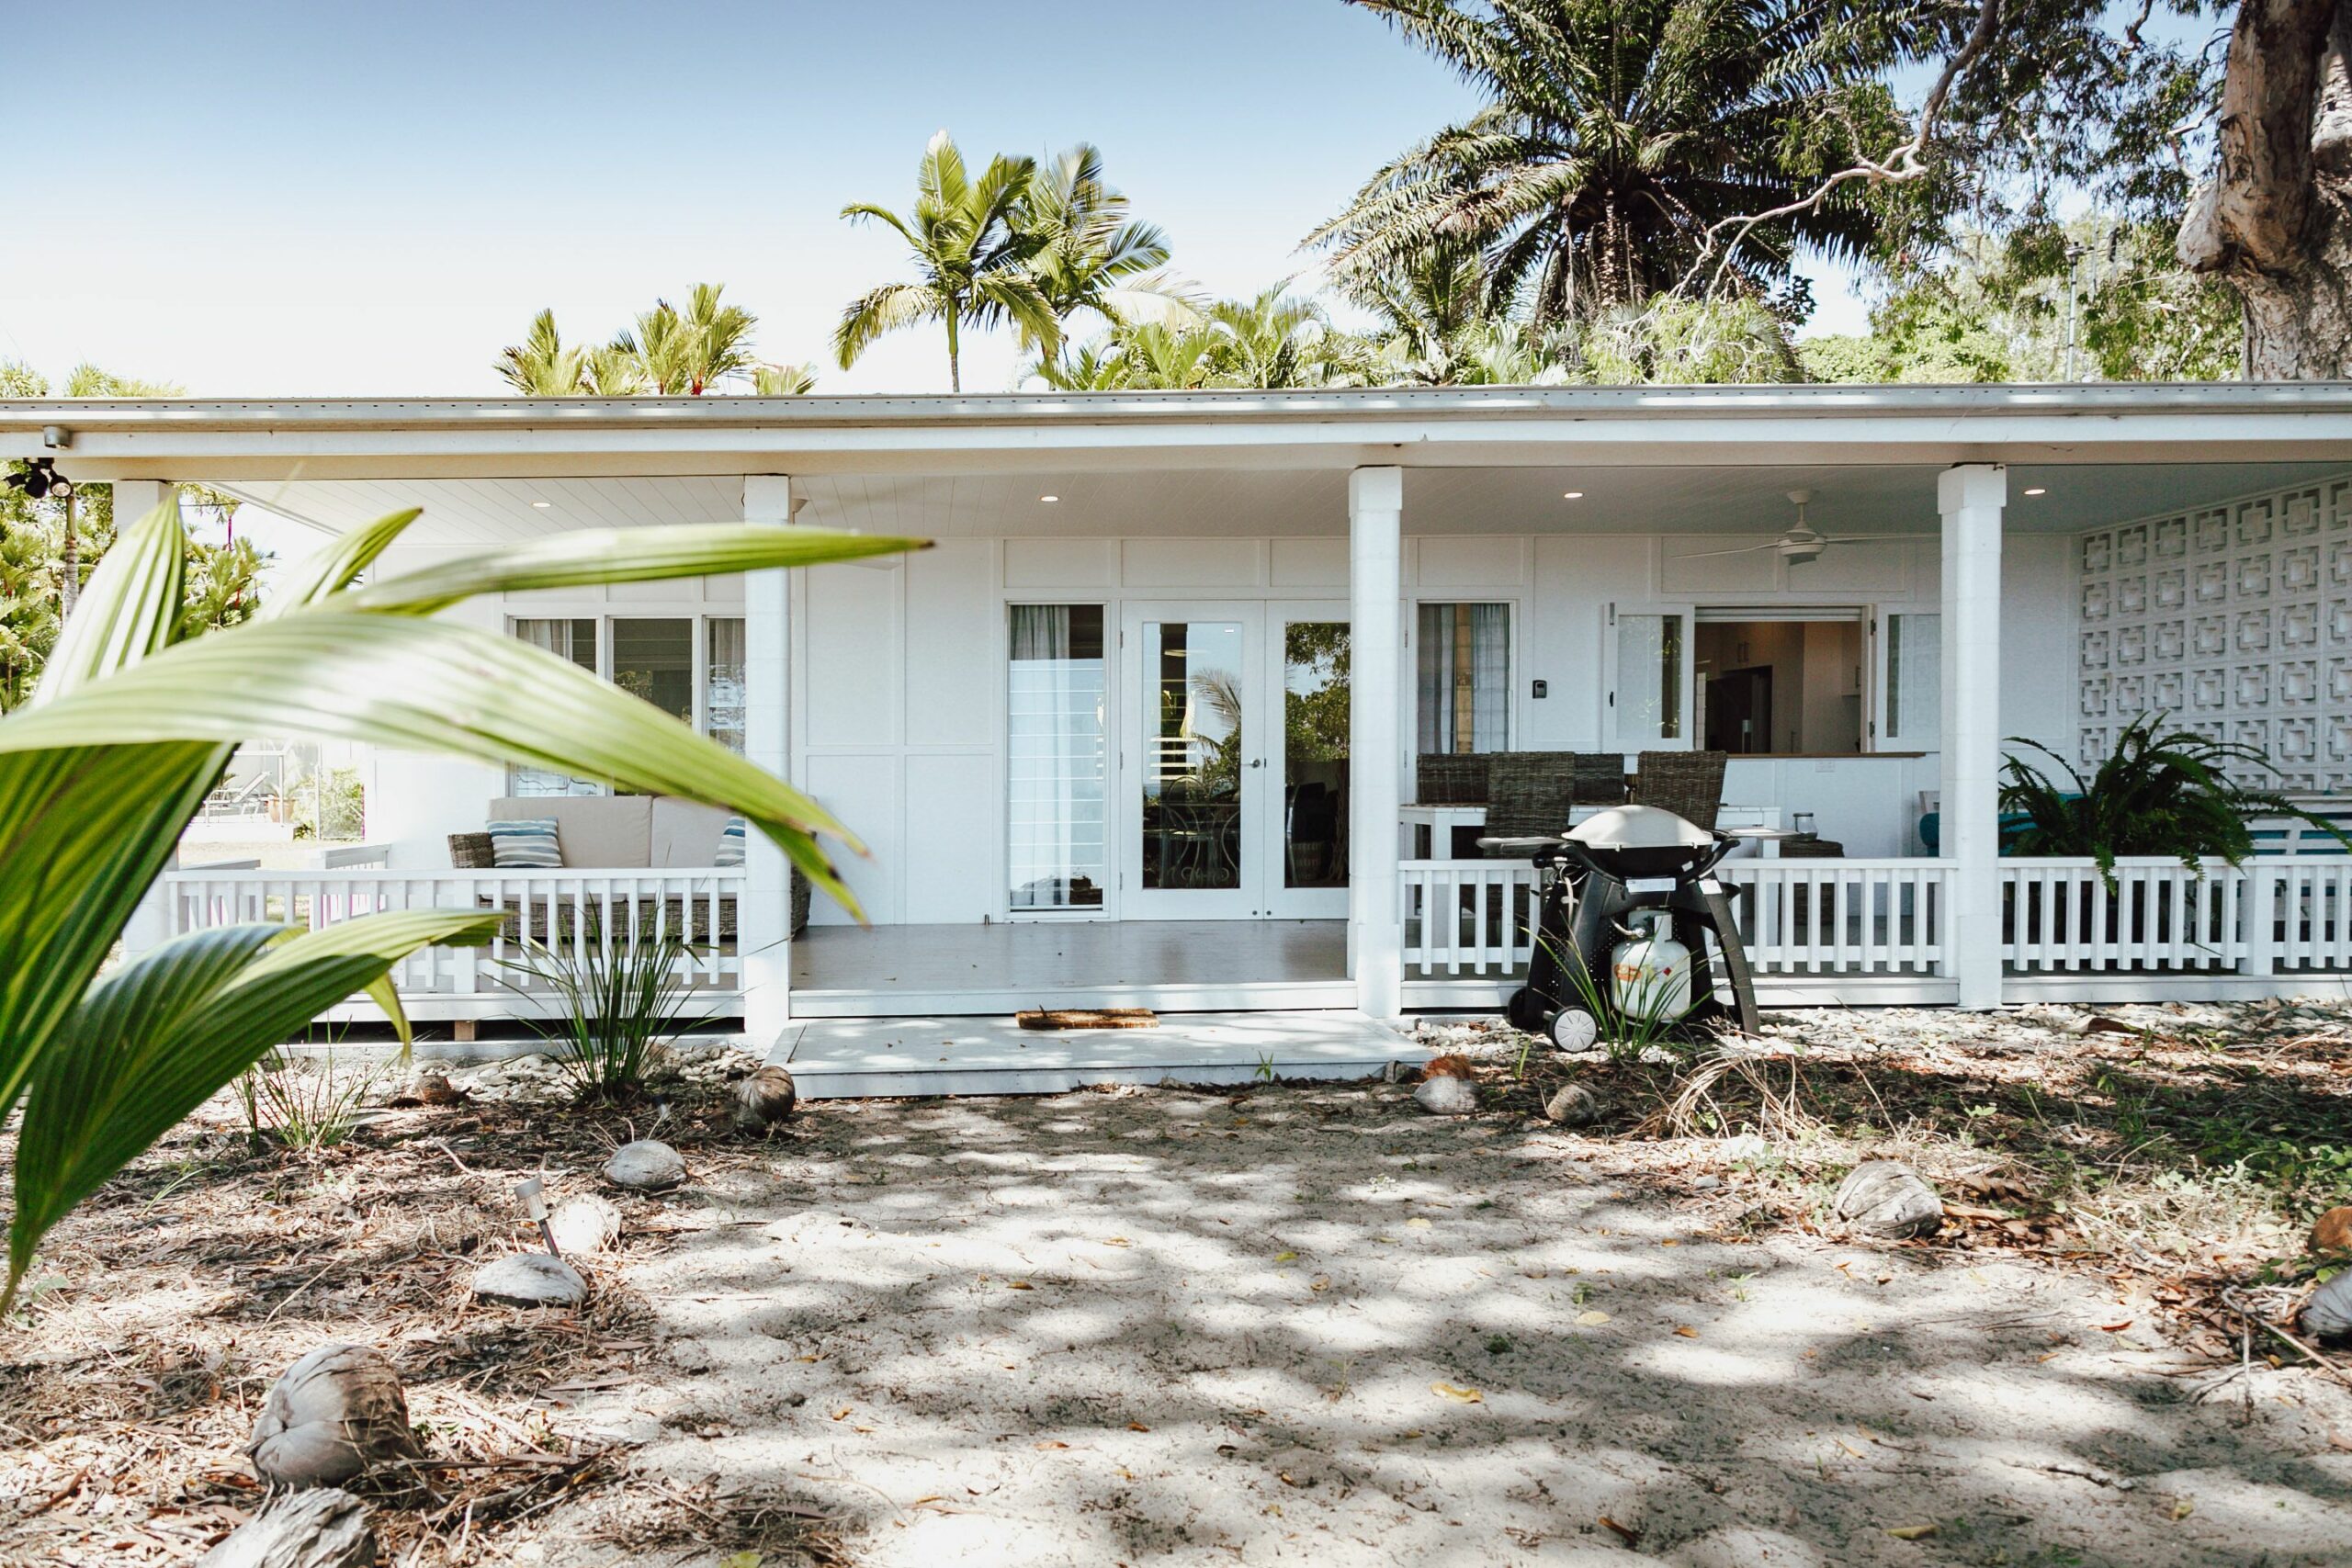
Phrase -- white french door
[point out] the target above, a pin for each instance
(1232, 767)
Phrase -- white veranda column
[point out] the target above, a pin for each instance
(133, 499)
(1375, 581)
(764, 922)
(1970, 497)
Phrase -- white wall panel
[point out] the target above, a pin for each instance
(1576, 579)
(1865, 565)
(1687, 570)
(951, 818)
(1310, 563)
(2038, 689)
(1149, 565)
(1469, 562)
(861, 788)
(955, 644)
(854, 652)
(1060, 563)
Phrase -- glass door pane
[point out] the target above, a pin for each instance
(724, 672)
(574, 639)
(1652, 666)
(1057, 778)
(1315, 754)
(1192, 754)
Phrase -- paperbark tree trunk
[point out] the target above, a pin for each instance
(2275, 221)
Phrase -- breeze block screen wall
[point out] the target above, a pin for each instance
(2236, 620)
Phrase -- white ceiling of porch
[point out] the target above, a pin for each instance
(1192, 504)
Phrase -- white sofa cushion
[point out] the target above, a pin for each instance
(686, 832)
(598, 832)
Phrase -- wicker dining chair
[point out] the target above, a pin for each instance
(1598, 778)
(1528, 794)
(1689, 784)
(1448, 778)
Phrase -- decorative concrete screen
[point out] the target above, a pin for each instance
(2236, 619)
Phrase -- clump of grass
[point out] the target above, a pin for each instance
(302, 1103)
(621, 1000)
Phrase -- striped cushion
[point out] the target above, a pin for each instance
(731, 843)
(527, 843)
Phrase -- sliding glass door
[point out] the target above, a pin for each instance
(1308, 660)
(1195, 759)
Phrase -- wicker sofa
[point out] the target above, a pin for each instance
(623, 832)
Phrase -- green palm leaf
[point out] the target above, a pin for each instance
(154, 1039)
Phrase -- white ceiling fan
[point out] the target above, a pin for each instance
(1801, 543)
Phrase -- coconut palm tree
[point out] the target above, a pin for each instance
(1092, 256)
(1276, 339)
(784, 380)
(540, 365)
(684, 353)
(971, 251)
(1616, 135)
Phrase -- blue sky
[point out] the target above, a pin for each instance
(335, 200)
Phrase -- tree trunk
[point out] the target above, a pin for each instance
(2275, 221)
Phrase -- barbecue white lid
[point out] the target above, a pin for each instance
(1639, 828)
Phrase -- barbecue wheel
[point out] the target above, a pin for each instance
(1573, 1029)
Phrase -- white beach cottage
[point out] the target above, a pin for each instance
(1163, 718)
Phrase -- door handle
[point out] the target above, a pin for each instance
(1256, 762)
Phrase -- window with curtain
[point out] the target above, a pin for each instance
(1914, 680)
(1058, 766)
(1463, 681)
(722, 682)
(577, 641)
(692, 668)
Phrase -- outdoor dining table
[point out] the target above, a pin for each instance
(1423, 827)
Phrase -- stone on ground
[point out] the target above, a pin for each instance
(648, 1165)
(1884, 1198)
(1573, 1106)
(2328, 1315)
(1447, 1097)
(589, 1223)
(320, 1528)
(337, 1413)
(530, 1278)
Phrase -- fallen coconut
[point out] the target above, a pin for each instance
(589, 1223)
(1573, 1106)
(1450, 1066)
(1884, 1198)
(430, 1088)
(1447, 1097)
(323, 1528)
(2332, 1231)
(530, 1278)
(648, 1163)
(766, 1097)
(337, 1413)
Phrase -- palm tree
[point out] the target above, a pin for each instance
(1092, 256)
(1617, 135)
(540, 365)
(784, 380)
(1276, 340)
(614, 370)
(972, 252)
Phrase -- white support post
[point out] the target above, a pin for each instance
(764, 922)
(1970, 497)
(133, 499)
(2259, 916)
(1376, 580)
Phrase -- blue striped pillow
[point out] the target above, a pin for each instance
(731, 843)
(527, 844)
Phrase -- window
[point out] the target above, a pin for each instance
(1915, 681)
(1784, 683)
(1464, 678)
(691, 667)
(1649, 678)
(1058, 783)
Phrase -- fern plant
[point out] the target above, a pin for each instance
(2159, 791)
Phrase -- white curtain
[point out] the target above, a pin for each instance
(1057, 796)
(1452, 718)
(574, 641)
(1915, 658)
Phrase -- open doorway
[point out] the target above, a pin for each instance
(1779, 684)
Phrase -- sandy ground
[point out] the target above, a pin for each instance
(1315, 1324)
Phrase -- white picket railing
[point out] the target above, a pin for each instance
(562, 910)
(1853, 917)
(2061, 914)
(1841, 917)
(2309, 908)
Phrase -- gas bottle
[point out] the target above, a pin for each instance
(1652, 970)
